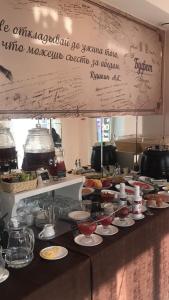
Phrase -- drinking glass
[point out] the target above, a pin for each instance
(2, 265)
(87, 228)
(123, 213)
(106, 221)
(87, 205)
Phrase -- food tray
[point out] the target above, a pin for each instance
(17, 187)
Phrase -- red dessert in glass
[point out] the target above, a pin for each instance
(123, 213)
(87, 228)
(105, 220)
(106, 224)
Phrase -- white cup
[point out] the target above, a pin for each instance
(47, 231)
(29, 219)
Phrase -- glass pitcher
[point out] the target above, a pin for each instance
(2, 264)
(19, 252)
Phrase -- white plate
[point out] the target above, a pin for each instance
(110, 230)
(136, 218)
(111, 192)
(165, 188)
(148, 187)
(62, 252)
(129, 190)
(79, 215)
(166, 194)
(159, 182)
(4, 276)
(126, 223)
(144, 178)
(87, 191)
(80, 240)
(165, 205)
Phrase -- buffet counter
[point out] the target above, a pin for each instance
(131, 265)
(65, 279)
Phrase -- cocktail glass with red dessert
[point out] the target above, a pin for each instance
(87, 228)
(123, 213)
(106, 221)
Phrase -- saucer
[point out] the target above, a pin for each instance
(87, 191)
(79, 215)
(125, 223)
(53, 252)
(46, 238)
(4, 276)
(81, 240)
(137, 219)
(110, 230)
(164, 205)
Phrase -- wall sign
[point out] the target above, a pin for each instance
(70, 56)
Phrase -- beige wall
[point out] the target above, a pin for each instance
(78, 137)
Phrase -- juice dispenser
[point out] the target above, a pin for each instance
(39, 151)
(8, 154)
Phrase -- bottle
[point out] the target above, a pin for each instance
(79, 163)
(76, 164)
(137, 204)
(122, 195)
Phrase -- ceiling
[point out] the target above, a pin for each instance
(154, 12)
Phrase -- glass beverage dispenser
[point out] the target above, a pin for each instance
(8, 154)
(39, 151)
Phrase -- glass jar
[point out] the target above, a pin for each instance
(39, 149)
(8, 154)
(61, 168)
(58, 168)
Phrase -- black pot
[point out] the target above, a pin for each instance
(155, 162)
(109, 156)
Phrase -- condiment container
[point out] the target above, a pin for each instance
(137, 204)
(122, 195)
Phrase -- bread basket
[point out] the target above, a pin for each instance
(16, 187)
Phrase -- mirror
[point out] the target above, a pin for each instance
(78, 135)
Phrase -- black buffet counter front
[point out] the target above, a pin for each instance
(131, 265)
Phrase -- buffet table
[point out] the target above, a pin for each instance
(131, 265)
(65, 279)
